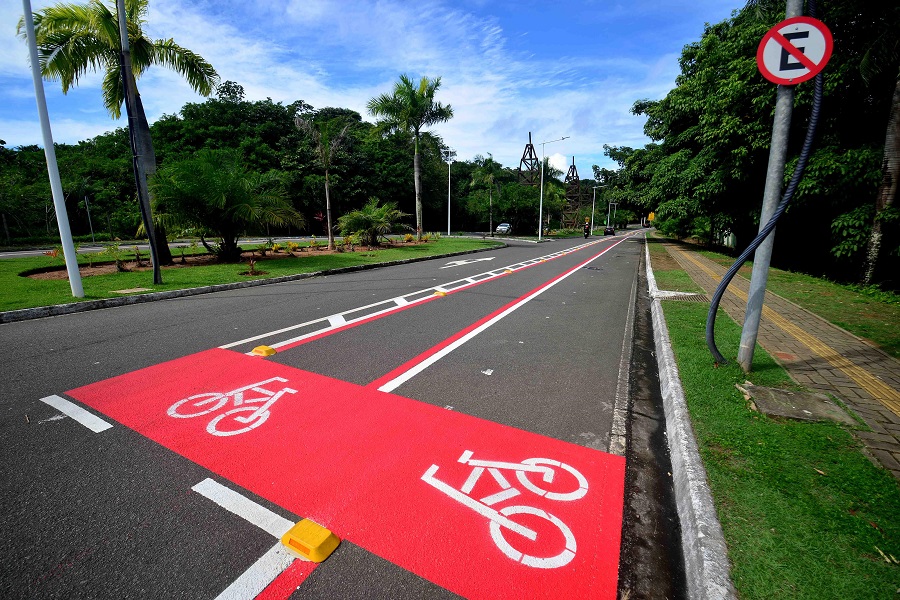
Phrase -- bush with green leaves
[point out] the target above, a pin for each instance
(373, 221)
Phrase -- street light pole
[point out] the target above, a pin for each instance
(450, 154)
(594, 203)
(541, 205)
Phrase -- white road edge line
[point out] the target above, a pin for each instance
(247, 509)
(89, 420)
(271, 564)
(415, 370)
(618, 434)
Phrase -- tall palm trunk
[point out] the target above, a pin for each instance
(328, 212)
(417, 178)
(144, 143)
(887, 191)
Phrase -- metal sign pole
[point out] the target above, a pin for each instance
(784, 105)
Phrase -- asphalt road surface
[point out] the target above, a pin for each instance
(458, 423)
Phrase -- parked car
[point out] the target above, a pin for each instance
(609, 231)
(504, 228)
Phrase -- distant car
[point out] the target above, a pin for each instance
(504, 228)
(609, 231)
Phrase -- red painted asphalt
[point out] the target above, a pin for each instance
(391, 474)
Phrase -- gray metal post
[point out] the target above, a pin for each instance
(784, 106)
(59, 203)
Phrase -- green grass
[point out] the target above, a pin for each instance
(23, 292)
(792, 532)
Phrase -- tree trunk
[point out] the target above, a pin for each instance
(887, 191)
(328, 212)
(148, 156)
(417, 177)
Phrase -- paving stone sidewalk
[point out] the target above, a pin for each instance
(816, 354)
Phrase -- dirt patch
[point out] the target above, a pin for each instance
(106, 268)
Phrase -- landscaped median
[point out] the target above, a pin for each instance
(22, 292)
(804, 513)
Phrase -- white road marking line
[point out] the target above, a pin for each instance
(247, 509)
(260, 574)
(400, 301)
(89, 420)
(271, 564)
(416, 369)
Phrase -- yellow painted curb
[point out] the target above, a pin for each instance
(264, 351)
(310, 541)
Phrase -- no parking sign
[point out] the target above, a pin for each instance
(794, 51)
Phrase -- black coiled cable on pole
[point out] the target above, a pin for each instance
(765, 231)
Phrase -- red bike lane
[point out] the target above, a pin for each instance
(482, 509)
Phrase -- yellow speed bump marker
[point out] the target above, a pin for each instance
(263, 351)
(310, 541)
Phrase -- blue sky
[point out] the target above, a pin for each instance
(552, 68)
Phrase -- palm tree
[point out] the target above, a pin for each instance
(410, 108)
(328, 142)
(371, 221)
(214, 192)
(486, 174)
(74, 39)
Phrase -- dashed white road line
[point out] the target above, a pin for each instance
(70, 409)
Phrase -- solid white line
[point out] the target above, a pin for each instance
(247, 509)
(415, 370)
(92, 422)
(260, 574)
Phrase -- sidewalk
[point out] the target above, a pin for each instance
(816, 354)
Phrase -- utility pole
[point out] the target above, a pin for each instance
(59, 202)
(784, 106)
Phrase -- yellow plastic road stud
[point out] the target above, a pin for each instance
(508, 271)
(264, 351)
(310, 541)
(440, 293)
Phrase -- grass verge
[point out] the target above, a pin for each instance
(804, 513)
(22, 292)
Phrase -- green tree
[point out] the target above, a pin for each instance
(487, 176)
(410, 108)
(371, 221)
(74, 39)
(214, 191)
(329, 137)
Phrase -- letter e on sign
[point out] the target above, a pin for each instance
(794, 51)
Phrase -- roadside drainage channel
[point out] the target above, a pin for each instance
(702, 540)
(40, 312)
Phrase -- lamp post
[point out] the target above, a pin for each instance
(594, 203)
(541, 205)
(611, 207)
(448, 156)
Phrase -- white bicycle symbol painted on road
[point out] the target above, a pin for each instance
(223, 424)
(500, 519)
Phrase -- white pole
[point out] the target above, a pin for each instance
(59, 203)
(448, 194)
(541, 205)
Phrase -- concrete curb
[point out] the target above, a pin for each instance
(74, 307)
(702, 540)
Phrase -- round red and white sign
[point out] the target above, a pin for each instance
(794, 51)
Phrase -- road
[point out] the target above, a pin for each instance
(400, 411)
